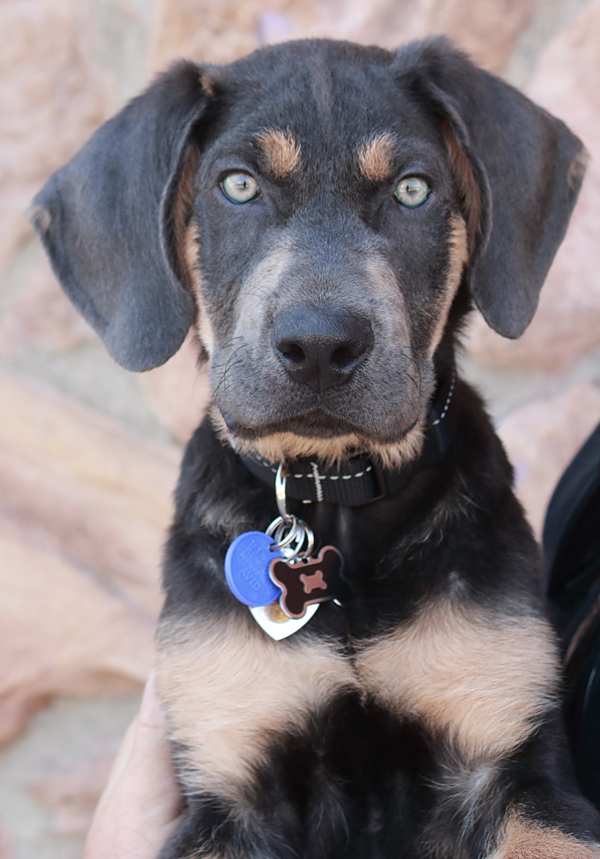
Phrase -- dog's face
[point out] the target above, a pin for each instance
(330, 245)
(315, 207)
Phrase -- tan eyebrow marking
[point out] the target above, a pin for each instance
(281, 150)
(375, 157)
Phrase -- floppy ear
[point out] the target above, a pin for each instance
(111, 219)
(518, 170)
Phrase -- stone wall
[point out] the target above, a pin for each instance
(89, 453)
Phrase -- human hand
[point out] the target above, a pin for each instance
(139, 807)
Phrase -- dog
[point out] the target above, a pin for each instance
(326, 215)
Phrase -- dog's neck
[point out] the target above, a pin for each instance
(359, 479)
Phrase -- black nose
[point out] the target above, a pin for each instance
(321, 347)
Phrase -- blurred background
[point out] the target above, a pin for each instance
(89, 453)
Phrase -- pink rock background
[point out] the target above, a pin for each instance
(89, 453)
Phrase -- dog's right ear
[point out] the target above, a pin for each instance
(517, 168)
(110, 221)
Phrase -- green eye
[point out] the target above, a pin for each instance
(239, 187)
(412, 191)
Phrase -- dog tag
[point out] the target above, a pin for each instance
(247, 569)
(305, 583)
(278, 625)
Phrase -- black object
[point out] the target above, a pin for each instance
(311, 581)
(572, 548)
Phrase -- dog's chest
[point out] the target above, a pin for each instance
(234, 695)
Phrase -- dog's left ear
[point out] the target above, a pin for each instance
(518, 171)
(112, 221)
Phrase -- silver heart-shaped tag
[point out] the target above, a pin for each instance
(276, 623)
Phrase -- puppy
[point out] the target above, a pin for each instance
(325, 215)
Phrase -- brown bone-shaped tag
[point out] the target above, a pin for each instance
(307, 582)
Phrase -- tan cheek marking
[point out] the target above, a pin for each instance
(192, 256)
(228, 688)
(281, 151)
(523, 840)
(467, 676)
(467, 185)
(205, 331)
(182, 208)
(375, 157)
(459, 256)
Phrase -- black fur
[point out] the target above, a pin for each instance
(367, 778)
(355, 780)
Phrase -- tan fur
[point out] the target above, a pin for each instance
(182, 210)
(191, 251)
(228, 688)
(204, 328)
(281, 151)
(288, 446)
(527, 840)
(40, 216)
(459, 256)
(375, 157)
(209, 83)
(190, 257)
(468, 676)
(578, 167)
(467, 185)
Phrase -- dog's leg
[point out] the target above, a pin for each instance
(483, 684)
(519, 807)
(233, 699)
(526, 839)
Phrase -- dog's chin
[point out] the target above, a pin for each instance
(328, 441)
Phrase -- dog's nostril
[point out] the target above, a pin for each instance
(292, 353)
(344, 356)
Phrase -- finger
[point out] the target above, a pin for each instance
(149, 772)
(142, 800)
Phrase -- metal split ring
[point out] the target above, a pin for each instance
(277, 529)
(299, 533)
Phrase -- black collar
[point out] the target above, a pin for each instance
(359, 480)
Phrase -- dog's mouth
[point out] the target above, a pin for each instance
(381, 405)
(316, 434)
(314, 424)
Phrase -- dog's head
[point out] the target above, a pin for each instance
(314, 208)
